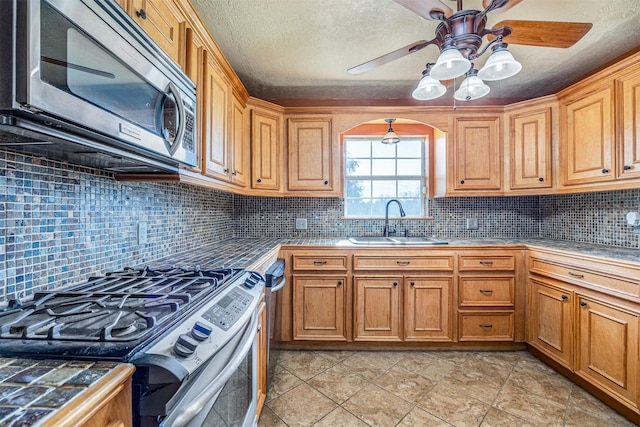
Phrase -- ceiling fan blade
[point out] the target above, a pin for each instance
(391, 56)
(544, 33)
(509, 4)
(424, 7)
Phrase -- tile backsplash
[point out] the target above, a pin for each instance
(60, 224)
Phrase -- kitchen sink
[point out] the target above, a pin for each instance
(389, 241)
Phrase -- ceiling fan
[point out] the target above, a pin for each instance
(459, 37)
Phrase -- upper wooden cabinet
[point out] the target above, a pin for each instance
(311, 156)
(587, 137)
(475, 156)
(266, 149)
(628, 95)
(163, 22)
(529, 148)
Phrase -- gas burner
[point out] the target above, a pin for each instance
(173, 271)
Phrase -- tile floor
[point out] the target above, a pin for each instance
(433, 388)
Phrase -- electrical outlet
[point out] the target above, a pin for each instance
(142, 233)
(472, 224)
(301, 223)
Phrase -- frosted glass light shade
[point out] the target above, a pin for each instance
(390, 138)
(450, 64)
(428, 88)
(471, 88)
(500, 65)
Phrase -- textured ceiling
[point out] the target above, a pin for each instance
(293, 49)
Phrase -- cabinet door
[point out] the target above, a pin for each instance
(587, 138)
(319, 308)
(629, 107)
(377, 308)
(215, 122)
(262, 357)
(607, 348)
(428, 312)
(162, 22)
(265, 150)
(550, 322)
(310, 154)
(477, 161)
(238, 143)
(530, 141)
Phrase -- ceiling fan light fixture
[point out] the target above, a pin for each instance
(450, 64)
(500, 65)
(428, 88)
(390, 137)
(471, 88)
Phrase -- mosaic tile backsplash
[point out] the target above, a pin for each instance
(60, 224)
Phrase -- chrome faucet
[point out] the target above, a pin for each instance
(387, 231)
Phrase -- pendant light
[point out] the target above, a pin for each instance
(428, 87)
(500, 65)
(471, 88)
(390, 137)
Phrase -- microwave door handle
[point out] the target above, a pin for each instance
(280, 285)
(182, 119)
(196, 406)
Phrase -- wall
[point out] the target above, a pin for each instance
(62, 224)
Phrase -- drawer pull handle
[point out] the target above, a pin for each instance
(486, 262)
(486, 291)
(395, 283)
(319, 262)
(403, 262)
(486, 326)
(339, 282)
(583, 304)
(564, 297)
(576, 275)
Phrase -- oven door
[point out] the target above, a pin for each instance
(223, 391)
(84, 68)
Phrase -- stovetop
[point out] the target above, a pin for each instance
(108, 316)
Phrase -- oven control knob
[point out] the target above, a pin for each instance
(200, 331)
(185, 346)
(252, 280)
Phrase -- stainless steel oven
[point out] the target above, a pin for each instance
(83, 71)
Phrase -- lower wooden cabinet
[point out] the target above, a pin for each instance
(319, 310)
(607, 348)
(262, 357)
(377, 308)
(551, 321)
(486, 326)
(428, 310)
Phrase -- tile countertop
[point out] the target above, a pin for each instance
(32, 391)
(246, 252)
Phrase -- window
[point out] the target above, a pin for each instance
(376, 173)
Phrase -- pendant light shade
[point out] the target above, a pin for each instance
(450, 64)
(500, 65)
(390, 137)
(471, 88)
(428, 88)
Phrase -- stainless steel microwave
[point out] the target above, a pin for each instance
(80, 81)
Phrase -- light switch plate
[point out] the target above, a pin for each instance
(142, 233)
(472, 224)
(301, 223)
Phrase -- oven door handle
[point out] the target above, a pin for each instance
(196, 406)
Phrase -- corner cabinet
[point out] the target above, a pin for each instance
(312, 158)
(476, 156)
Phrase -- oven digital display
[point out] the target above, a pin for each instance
(228, 310)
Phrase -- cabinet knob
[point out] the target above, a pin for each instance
(462, 181)
(326, 183)
(259, 179)
(565, 297)
(226, 170)
(141, 14)
(395, 283)
(605, 170)
(412, 283)
(234, 173)
(339, 282)
(583, 304)
(627, 167)
(541, 179)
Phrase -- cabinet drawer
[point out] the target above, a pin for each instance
(318, 262)
(487, 291)
(378, 262)
(492, 262)
(486, 326)
(577, 275)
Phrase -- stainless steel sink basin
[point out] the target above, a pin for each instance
(389, 241)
